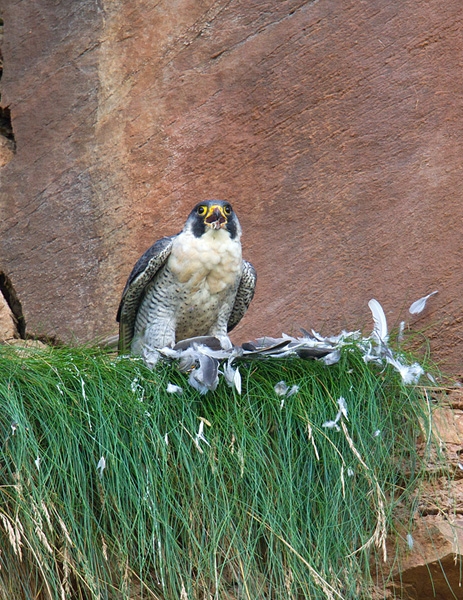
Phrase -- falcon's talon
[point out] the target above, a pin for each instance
(191, 284)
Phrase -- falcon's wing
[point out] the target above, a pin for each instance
(244, 295)
(143, 272)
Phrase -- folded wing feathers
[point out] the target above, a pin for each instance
(244, 295)
(142, 273)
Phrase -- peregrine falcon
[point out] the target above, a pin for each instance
(191, 284)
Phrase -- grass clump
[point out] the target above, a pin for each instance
(110, 487)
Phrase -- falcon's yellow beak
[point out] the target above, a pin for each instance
(215, 217)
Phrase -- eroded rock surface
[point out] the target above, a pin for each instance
(431, 556)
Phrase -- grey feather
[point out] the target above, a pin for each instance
(144, 271)
(418, 305)
(244, 295)
(205, 377)
(205, 340)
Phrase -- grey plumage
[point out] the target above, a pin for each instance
(194, 283)
(206, 376)
(143, 272)
(244, 295)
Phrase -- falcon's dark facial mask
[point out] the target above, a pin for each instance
(215, 215)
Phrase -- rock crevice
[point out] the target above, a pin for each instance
(12, 322)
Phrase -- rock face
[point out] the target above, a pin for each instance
(333, 127)
(430, 562)
(431, 568)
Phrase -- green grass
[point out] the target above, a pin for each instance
(274, 505)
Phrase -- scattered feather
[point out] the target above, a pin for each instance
(341, 413)
(372, 353)
(134, 385)
(281, 389)
(410, 541)
(174, 389)
(400, 335)
(379, 319)
(210, 341)
(418, 305)
(232, 376)
(377, 433)
(137, 389)
(342, 407)
(265, 345)
(332, 358)
(350, 472)
(431, 378)
(217, 354)
(237, 381)
(205, 377)
(200, 435)
(316, 335)
(37, 463)
(101, 466)
(331, 425)
(410, 373)
(14, 427)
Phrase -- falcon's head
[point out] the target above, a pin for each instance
(215, 215)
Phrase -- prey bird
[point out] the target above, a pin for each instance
(195, 283)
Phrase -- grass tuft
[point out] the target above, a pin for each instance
(110, 487)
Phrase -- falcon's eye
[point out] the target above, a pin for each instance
(227, 209)
(201, 210)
